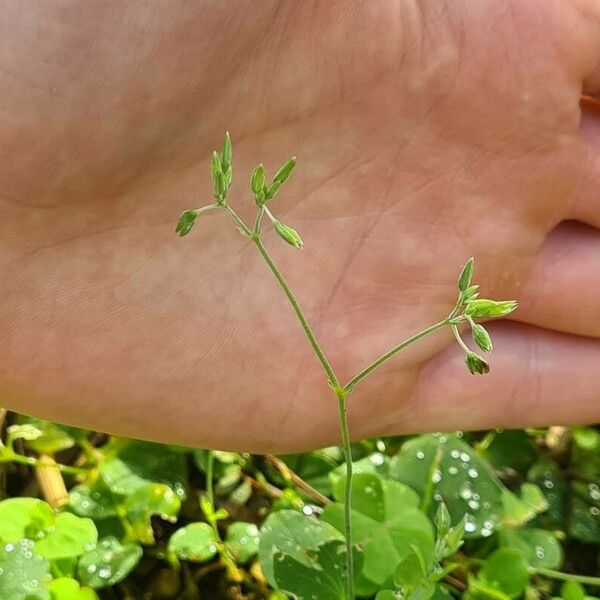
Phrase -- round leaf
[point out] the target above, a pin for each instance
(195, 542)
(70, 536)
(243, 539)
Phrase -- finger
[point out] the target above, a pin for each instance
(586, 205)
(537, 378)
(562, 290)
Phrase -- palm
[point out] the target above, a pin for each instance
(413, 155)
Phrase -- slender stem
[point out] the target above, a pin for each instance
(383, 358)
(210, 462)
(459, 339)
(238, 221)
(584, 579)
(341, 397)
(30, 461)
(258, 222)
(296, 306)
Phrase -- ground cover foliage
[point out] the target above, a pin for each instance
(497, 514)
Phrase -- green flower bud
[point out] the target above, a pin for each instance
(288, 234)
(272, 191)
(226, 152)
(470, 294)
(186, 221)
(220, 188)
(442, 519)
(464, 280)
(257, 183)
(481, 337)
(481, 308)
(228, 176)
(285, 171)
(476, 364)
(215, 165)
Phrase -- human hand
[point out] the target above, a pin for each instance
(425, 133)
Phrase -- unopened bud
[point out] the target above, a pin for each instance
(476, 364)
(226, 152)
(288, 234)
(464, 280)
(442, 519)
(215, 165)
(285, 171)
(481, 337)
(257, 183)
(481, 308)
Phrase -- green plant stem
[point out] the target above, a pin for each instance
(384, 357)
(210, 463)
(459, 339)
(333, 380)
(30, 461)
(341, 398)
(584, 579)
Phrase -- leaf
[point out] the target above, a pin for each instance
(376, 463)
(506, 570)
(54, 437)
(511, 449)
(195, 542)
(518, 511)
(463, 480)
(23, 575)
(292, 534)
(152, 499)
(324, 578)
(314, 468)
(539, 547)
(67, 588)
(411, 572)
(109, 563)
(243, 539)
(70, 536)
(571, 590)
(386, 525)
(548, 476)
(24, 518)
(139, 463)
(95, 501)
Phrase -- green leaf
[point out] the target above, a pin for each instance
(549, 477)
(517, 511)
(195, 542)
(95, 501)
(292, 534)
(24, 431)
(375, 463)
(69, 537)
(511, 449)
(476, 364)
(139, 463)
(152, 499)
(571, 590)
(386, 526)
(23, 575)
(24, 518)
(411, 572)
(109, 563)
(506, 570)
(314, 468)
(539, 547)
(323, 578)
(243, 540)
(463, 480)
(66, 588)
(55, 437)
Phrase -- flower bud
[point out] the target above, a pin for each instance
(470, 294)
(186, 222)
(215, 165)
(285, 171)
(258, 181)
(481, 337)
(272, 191)
(476, 364)
(220, 187)
(464, 280)
(442, 519)
(288, 234)
(226, 152)
(481, 308)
